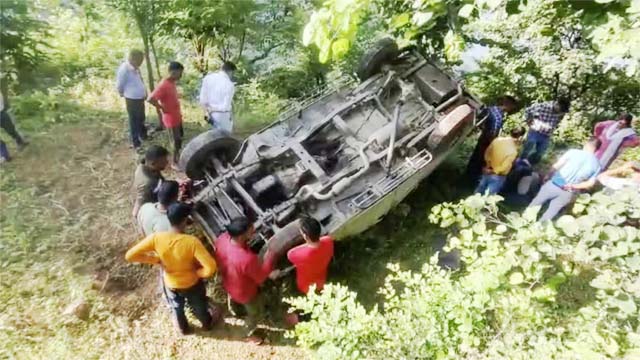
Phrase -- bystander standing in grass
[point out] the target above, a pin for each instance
(542, 118)
(216, 97)
(148, 177)
(165, 98)
(6, 123)
(131, 87)
(185, 263)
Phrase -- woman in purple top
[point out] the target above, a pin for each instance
(614, 136)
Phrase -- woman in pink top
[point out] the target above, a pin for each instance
(614, 136)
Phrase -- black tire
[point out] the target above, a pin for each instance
(195, 157)
(283, 241)
(383, 52)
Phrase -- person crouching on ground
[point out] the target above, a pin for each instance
(185, 261)
(242, 271)
(574, 172)
(148, 177)
(499, 158)
(165, 98)
(152, 217)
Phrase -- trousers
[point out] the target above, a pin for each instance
(535, 146)
(6, 123)
(491, 184)
(195, 297)
(221, 120)
(557, 198)
(137, 130)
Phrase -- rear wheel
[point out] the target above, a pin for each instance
(384, 52)
(196, 157)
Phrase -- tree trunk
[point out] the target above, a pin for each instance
(155, 56)
(244, 34)
(147, 59)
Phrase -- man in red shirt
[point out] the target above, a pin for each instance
(165, 99)
(241, 270)
(312, 258)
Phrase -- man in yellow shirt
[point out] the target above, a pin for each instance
(499, 158)
(185, 262)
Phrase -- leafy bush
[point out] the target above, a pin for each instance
(525, 290)
(255, 107)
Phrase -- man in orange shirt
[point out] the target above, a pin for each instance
(165, 98)
(185, 262)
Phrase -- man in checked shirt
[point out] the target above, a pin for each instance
(542, 118)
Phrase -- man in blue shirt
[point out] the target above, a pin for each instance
(574, 172)
(131, 88)
(490, 130)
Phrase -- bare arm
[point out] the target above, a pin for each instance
(155, 103)
(585, 185)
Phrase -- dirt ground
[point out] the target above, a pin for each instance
(81, 176)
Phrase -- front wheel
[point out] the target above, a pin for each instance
(195, 158)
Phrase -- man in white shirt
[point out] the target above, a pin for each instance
(216, 97)
(152, 217)
(131, 87)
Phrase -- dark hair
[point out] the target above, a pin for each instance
(518, 131)
(178, 213)
(136, 52)
(508, 100)
(229, 66)
(594, 141)
(311, 227)
(155, 152)
(564, 104)
(628, 118)
(175, 66)
(168, 193)
(238, 226)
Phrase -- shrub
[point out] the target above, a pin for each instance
(525, 290)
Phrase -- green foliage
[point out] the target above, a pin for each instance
(255, 106)
(22, 38)
(205, 24)
(333, 27)
(535, 64)
(525, 290)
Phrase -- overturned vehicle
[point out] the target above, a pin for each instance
(345, 156)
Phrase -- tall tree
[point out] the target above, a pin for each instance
(206, 24)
